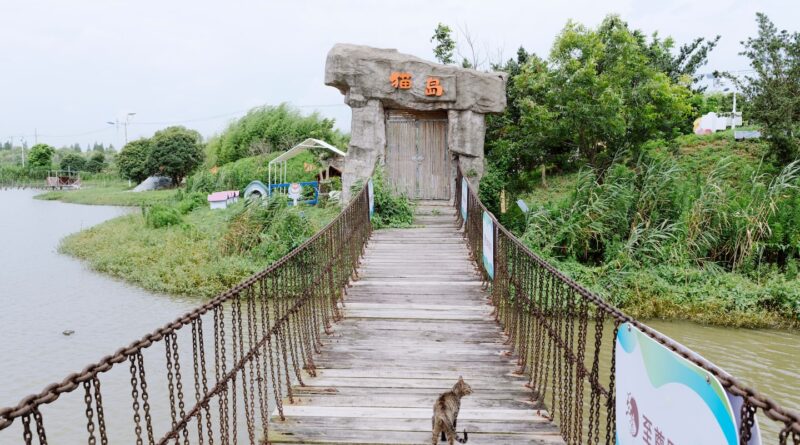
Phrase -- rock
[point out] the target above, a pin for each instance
(153, 183)
(68, 332)
(363, 74)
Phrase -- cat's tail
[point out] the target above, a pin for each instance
(455, 433)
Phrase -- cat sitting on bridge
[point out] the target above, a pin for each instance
(445, 413)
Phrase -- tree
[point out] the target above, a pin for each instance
(132, 160)
(690, 57)
(599, 95)
(96, 163)
(73, 162)
(445, 45)
(175, 152)
(267, 129)
(774, 89)
(41, 156)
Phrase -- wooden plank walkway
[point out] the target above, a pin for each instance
(416, 320)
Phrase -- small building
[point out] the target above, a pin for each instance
(221, 200)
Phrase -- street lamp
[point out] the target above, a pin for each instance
(124, 124)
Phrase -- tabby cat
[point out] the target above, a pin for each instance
(445, 413)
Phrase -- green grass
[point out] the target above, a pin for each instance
(186, 259)
(654, 271)
(109, 193)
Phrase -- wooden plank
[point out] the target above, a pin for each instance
(416, 319)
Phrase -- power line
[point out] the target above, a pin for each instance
(230, 114)
(172, 122)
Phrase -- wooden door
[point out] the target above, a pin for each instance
(416, 154)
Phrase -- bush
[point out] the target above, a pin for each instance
(236, 175)
(72, 162)
(191, 201)
(288, 230)
(390, 210)
(268, 129)
(161, 215)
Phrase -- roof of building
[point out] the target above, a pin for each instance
(308, 143)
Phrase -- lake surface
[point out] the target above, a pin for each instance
(43, 293)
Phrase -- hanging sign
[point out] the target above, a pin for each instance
(488, 244)
(663, 398)
(371, 195)
(464, 191)
(295, 192)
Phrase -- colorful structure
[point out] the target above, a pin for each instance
(221, 200)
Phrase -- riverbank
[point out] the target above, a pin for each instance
(194, 257)
(115, 193)
(703, 231)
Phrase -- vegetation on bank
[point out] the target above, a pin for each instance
(108, 192)
(176, 244)
(706, 231)
(201, 252)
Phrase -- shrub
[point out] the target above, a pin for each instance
(391, 210)
(161, 215)
(73, 162)
(268, 129)
(192, 201)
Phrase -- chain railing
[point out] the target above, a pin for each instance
(226, 366)
(565, 337)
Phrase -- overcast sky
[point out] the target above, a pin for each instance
(68, 67)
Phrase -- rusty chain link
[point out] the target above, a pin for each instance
(551, 334)
(276, 317)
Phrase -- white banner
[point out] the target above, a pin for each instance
(464, 191)
(662, 398)
(488, 244)
(371, 194)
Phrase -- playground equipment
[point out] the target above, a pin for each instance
(277, 181)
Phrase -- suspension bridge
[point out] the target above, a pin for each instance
(352, 336)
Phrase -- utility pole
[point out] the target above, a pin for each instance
(124, 124)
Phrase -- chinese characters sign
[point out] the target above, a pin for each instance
(403, 81)
(400, 81)
(664, 399)
(433, 87)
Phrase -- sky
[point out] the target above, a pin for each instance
(67, 68)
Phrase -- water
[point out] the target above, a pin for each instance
(43, 293)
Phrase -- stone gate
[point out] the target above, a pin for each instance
(417, 118)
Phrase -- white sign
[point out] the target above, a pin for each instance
(464, 191)
(662, 398)
(488, 244)
(371, 195)
(295, 192)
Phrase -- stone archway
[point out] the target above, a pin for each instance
(381, 85)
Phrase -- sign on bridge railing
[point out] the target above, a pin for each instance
(662, 398)
(488, 244)
(371, 195)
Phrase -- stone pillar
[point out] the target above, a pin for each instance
(465, 137)
(367, 143)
